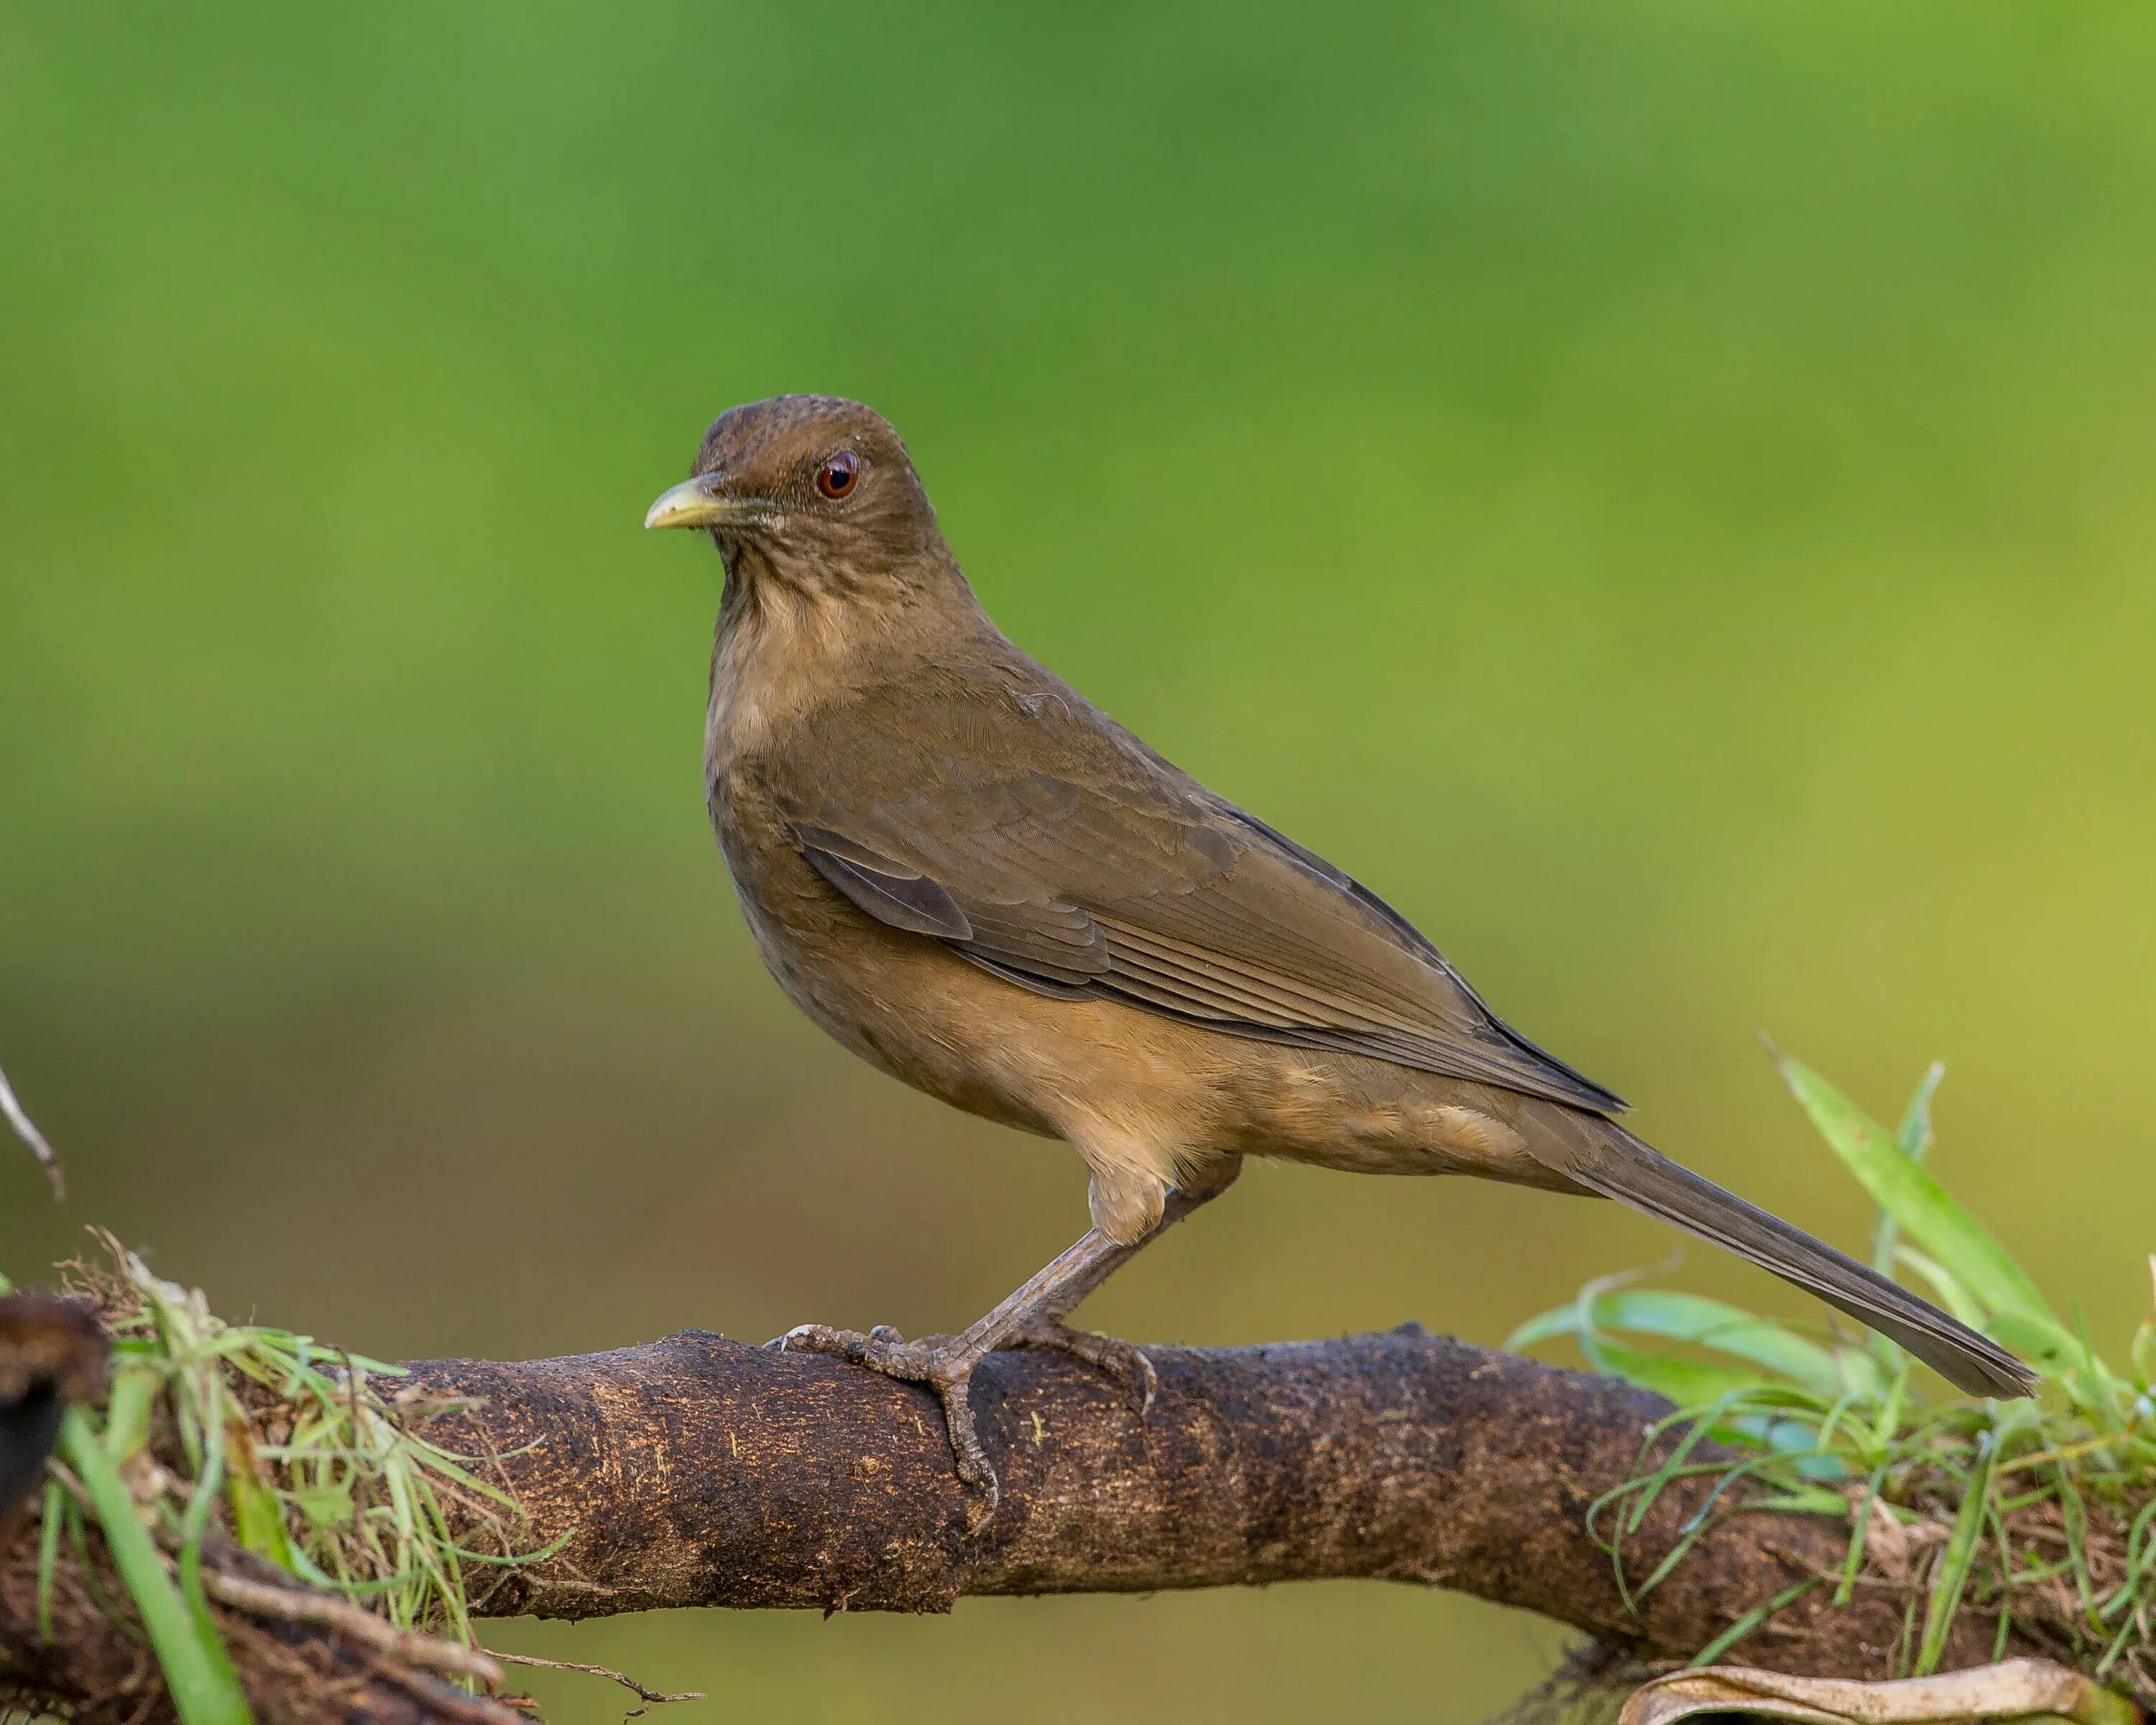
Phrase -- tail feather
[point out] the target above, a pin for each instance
(1612, 1163)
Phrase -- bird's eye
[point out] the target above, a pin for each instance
(835, 477)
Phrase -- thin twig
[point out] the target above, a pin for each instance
(26, 1129)
(262, 1599)
(650, 1698)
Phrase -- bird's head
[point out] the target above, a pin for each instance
(809, 491)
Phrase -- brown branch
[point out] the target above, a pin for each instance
(696, 1471)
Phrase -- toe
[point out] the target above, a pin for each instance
(1124, 1361)
(970, 1461)
(934, 1361)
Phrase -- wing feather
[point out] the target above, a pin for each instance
(1056, 851)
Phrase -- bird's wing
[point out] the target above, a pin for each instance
(1004, 815)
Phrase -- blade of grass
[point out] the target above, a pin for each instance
(1917, 1202)
(1751, 1620)
(204, 1690)
(78, 1538)
(2003, 1544)
(49, 1552)
(1690, 1383)
(195, 1529)
(1946, 1286)
(128, 1414)
(1859, 1534)
(258, 1520)
(1951, 1578)
(1728, 1329)
(2144, 1340)
(1913, 1137)
(2073, 1512)
(1696, 1527)
(1544, 1327)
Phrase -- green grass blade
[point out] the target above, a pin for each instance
(1690, 1383)
(1914, 1134)
(2074, 1513)
(1913, 1139)
(1918, 1204)
(194, 1528)
(134, 1387)
(1859, 1535)
(2144, 1340)
(1751, 1620)
(1951, 1577)
(258, 1522)
(1544, 1327)
(49, 1552)
(1728, 1329)
(204, 1690)
(1946, 1286)
(1811, 1501)
(1709, 1323)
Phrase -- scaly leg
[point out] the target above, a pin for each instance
(1031, 1315)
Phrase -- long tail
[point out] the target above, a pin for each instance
(1603, 1157)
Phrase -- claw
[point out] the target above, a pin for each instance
(972, 1460)
(1030, 1315)
(1121, 1360)
(947, 1370)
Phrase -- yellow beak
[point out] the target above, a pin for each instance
(700, 502)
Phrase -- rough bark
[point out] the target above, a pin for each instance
(696, 1471)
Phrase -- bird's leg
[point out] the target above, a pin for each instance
(1031, 1315)
(945, 1364)
(1050, 1326)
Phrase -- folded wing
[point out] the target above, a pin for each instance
(1057, 851)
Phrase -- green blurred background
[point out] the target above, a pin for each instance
(1662, 494)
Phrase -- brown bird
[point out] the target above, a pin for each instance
(978, 881)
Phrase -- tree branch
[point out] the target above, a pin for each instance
(696, 1471)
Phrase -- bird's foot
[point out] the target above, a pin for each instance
(1030, 1315)
(939, 1362)
(1123, 1361)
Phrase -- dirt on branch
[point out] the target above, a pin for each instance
(696, 1471)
